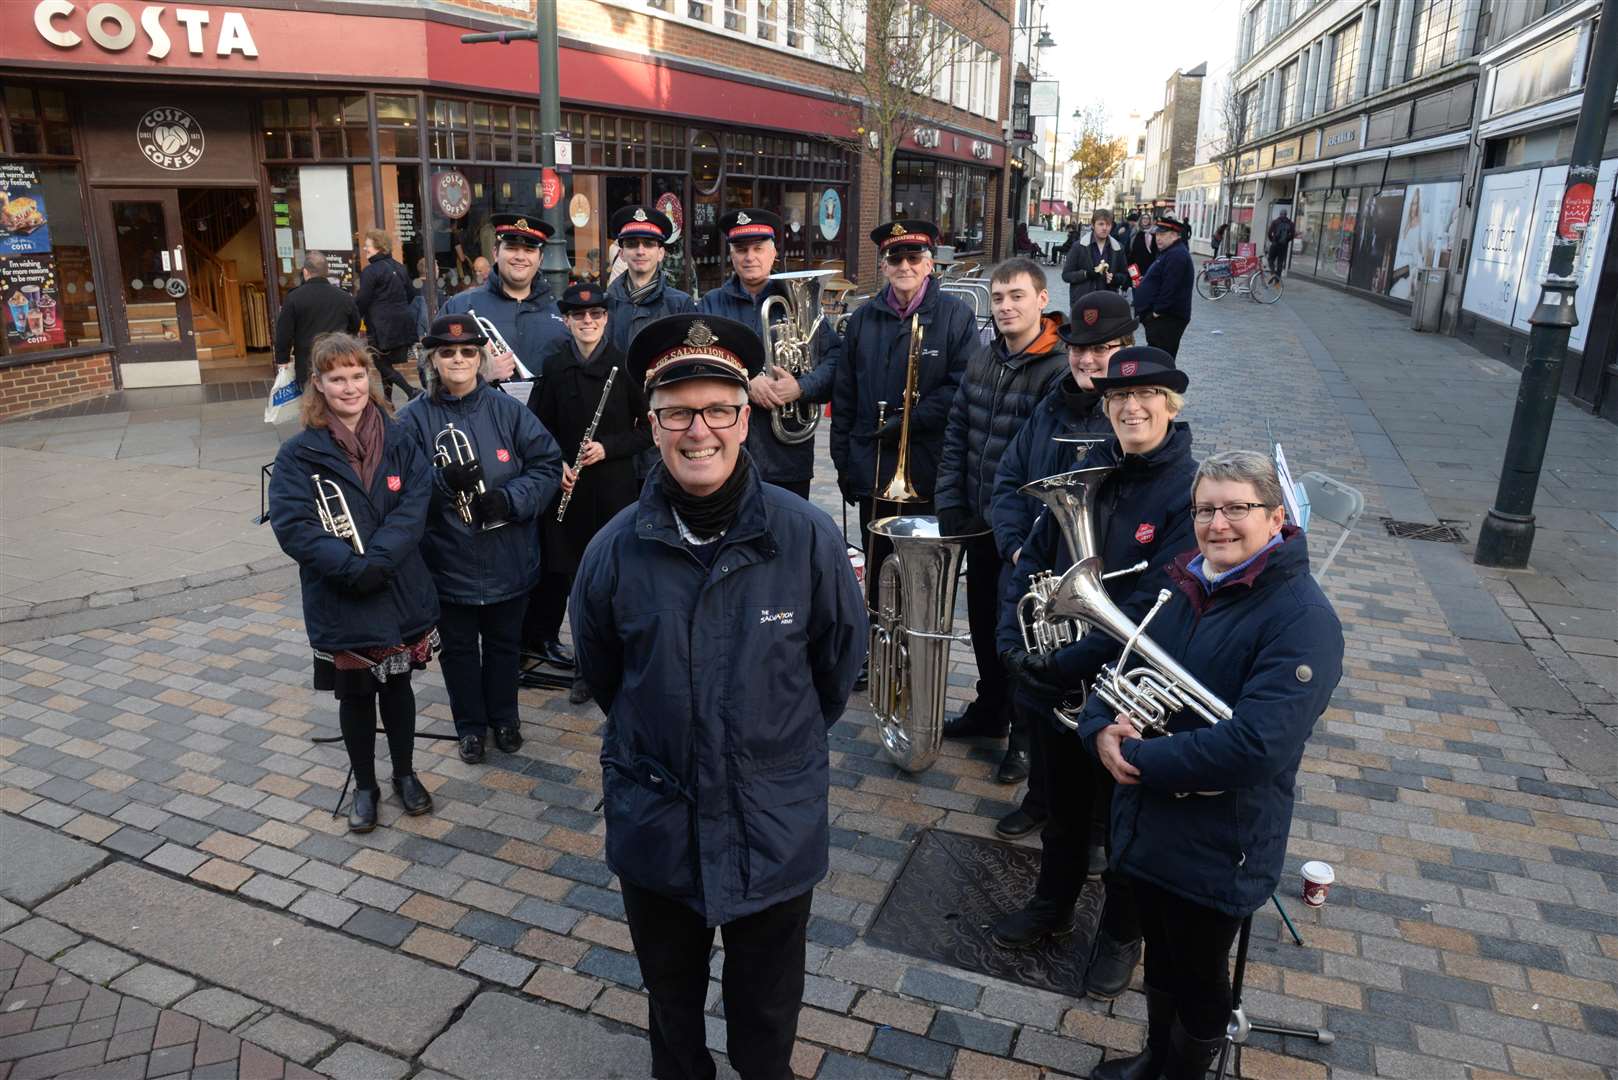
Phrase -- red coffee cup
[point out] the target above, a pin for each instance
(1317, 879)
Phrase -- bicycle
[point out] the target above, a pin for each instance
(1221, 277)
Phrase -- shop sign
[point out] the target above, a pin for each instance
(170, 138)
(1285, 152)
(55, 20)
(453, 194)
(564, 152)
(982, 150)
(1266, 157)
(669, 204)
(28, 284)
(578, 210)
(926, 138)
(1340, 138)
(550, 188)
(1248, 162)
(831, 214)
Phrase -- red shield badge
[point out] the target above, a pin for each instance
(394, 483)
(503, 454)
(1091, 317)
(1128, 367)
(456, 329)
(1144, 532)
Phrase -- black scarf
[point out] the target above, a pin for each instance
(1079, 402)
(707, 516)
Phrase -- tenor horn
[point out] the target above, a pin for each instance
(789, 344)
(332, 507)
(452, 445)
(911, 634)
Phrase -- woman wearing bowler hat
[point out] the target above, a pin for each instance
(1200, 818)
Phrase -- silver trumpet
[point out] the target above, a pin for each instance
(332, 507)
(789, 344)
(453, 447)
(498, 340)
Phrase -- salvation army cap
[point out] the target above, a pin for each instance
(693, 345)
(742, 226)
(1142, 365)
(641, 221)
(454, 330)
(581, 296)
(1099, 317)
(529, 229)
(1170, 224)
(905, 234)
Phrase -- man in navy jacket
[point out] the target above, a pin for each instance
(516, 299)
(1163, 298)
(718, 624)
(641, 294)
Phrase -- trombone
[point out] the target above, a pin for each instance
(332, 507)
(900, 489)
(460, 452)
(498, 340)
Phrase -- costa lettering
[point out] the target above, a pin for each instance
(113, 28)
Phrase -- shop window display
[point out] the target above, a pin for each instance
(46, 284)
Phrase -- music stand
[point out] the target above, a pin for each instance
(1239, 1028)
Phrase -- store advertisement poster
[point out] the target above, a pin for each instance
(1547, 207)
(1499, 241)
(1378, 240)
(1426, 235)
(24, 227)
(32, 304)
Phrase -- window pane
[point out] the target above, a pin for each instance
(1345, 64)
(47, 284)
(25, 132)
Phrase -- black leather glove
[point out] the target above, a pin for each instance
(463, 477)
(493, 506)
(846, 486)
(953, 522)
(371, 578)
(1034, 673)
(892, 428)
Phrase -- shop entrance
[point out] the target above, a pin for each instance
(148, 314)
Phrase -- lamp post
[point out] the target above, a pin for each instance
(1045, 42)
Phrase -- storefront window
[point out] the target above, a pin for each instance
(38, 121)
(463, 198)
(705, 162)
(398, 129)
(1341, 213)
(1311, 222)
(313, 208)
(46, 284)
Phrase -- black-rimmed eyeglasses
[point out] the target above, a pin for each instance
(1233, 512)
(680, 418)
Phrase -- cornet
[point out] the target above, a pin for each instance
(459, 452)
(332, 507)
(498, 340)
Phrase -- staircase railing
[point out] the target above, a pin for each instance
(214, 287)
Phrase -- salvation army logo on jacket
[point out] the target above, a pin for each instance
(394, 484)
(503, 454)
(1144, 532)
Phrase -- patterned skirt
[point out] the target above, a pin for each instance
(358, 672)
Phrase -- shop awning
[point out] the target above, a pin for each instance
(1054, 206)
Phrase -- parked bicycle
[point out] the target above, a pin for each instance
(1241, 274)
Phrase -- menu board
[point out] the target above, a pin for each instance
(24, 226)
(32, 304)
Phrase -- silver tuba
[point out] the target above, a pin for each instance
(332, 506)
(911, 635)
(789, 344)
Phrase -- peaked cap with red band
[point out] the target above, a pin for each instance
(741, 226)
(1099, 317)
(454, 330)
(692, 345)
(1142, 365)
(641, 221)
(528, 229)
(905, 234)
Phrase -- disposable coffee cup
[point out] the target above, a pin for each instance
(1317, 879)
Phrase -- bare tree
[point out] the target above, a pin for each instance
(1235, 122)
(1095, 157)
(892, 57)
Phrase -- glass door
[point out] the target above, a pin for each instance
(151, 305)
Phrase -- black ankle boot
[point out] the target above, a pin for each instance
(1189, 1057)
(1112, 962)
(362, 811)
(412, 794)
(1148, 1064)
(1036, 922)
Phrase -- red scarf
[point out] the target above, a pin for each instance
(363, 445)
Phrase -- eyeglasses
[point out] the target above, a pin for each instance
(899, 258)
(1143, 394)
(450, 352)
(1233, 512)
(594, 314)
(680, 418)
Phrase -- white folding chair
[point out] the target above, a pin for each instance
(1337, 503)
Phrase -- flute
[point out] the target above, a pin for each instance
(589, 434)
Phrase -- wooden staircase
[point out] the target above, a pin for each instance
(209, 219)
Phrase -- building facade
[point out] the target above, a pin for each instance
(1171, 135)
(166, 169)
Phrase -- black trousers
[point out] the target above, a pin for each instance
(1188, 956)
(985, 573)
(878, 548)
(390, 374)
(762, 984)
(480, 659)
(1278, 257)
(357, 715)
(547, 603)
(1164, 332)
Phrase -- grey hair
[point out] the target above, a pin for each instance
(430, 370)
(1242, 467)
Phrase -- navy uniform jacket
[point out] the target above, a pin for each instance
(519, 457)
(1166, 289)
(720, 683)
(778, 463)
(625, 317)
(530, 326)
(1269, 645)
(390, 518)
(872, 358)
(1033, 454)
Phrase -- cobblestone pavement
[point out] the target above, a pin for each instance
(1471, 932)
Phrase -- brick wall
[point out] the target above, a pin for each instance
(27, 388)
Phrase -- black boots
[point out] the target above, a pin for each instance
(1150, 1062)
(362, 811)
(1018, 823)
(1036, 922)
(508, 738)
(977, 720)
(1112, 962)
(579, 693)
(1190, 1057)
(412, 796)
(471, 749)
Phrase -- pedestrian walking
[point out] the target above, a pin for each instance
(720, 628)
(1280, 246)
(1096, 262)
(384, 300)
(1142, 246)
(348, 502)
(1163, 298)
(314, 308)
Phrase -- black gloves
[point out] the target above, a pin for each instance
(1034, 673)
(372, 577)
(953, 522)
(846, 486)
(892, 428)
(493, 506)
(463, 477)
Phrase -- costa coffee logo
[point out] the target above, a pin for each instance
(453, 193)
(114, 28)
(170, 138)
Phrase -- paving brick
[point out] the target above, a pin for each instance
(97, 962)
(379, 926)
(819, 1026)
(912, 1052)
(837, 1066)
(1063, 1055)
(974, 1033)
(613, 966)
(563, 987)
(351, 1061)
(943, 989)
(497, 966)
(290, 1038)
(217, 1006)
(155, 984)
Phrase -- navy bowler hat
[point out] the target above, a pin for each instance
(581, 296)
(1099, 317)
(454, 330)
(1142, 365)
(692, 345)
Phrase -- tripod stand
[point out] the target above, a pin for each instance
(1237, 1031)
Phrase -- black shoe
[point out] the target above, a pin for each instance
(362, 811)
(412, 795)
(977, 721)
(1190, 1057)
(1111, 964)
(1036, 922)
(508, 738)
(1013, 767)
(580, 693)
(1148, 1064)
(553, 652)
(471, 749)
(1097, 863)
(863, 680)
(1018, 824)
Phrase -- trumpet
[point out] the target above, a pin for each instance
(498, 340)
(459, 452)
(332, 507)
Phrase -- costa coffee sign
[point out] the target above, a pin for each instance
(116, 28)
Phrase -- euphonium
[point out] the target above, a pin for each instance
(900, 489)
(911, 635)
(789, 344)
(332, 507)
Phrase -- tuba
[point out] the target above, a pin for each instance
(789, 344)
(911, 635)
(332, 506)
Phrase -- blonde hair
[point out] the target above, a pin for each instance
(333, 351)
(379, 240)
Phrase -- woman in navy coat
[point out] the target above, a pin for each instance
(1200, 819)
(370, 617)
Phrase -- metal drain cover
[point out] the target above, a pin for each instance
(1445, 532)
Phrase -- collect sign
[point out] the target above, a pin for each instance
(1577, 202)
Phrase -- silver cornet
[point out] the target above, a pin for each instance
(458, 451)
(332, 507)
(498, 340)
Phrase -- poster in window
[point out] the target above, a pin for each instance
(1378, 241)
(1547, 208)
(32, 303)
(24, 228)
(1426, 237)
(328, 224)
(1499, 241)
(831, 214)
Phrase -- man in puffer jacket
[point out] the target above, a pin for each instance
(1003, 384)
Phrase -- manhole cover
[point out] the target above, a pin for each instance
(1444, 532)
(950, 891)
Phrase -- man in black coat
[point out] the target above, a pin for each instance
(1163, 298)
(314, 308)
(384, 301)
(1097, 262)
(1280, 237)
(1142, 247)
